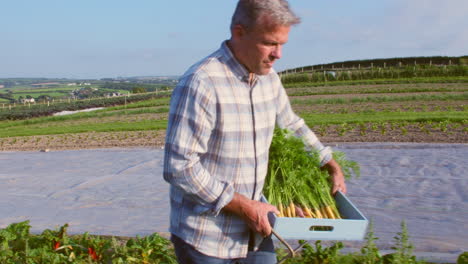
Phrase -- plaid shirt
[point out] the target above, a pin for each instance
(221, 124)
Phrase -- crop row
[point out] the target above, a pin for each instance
(102, 115)
(36, 110)
(149, 138)
(402, 127)
(376, 107)
(364, 117)
(18, 245)
(113, 126)
(57, 138)
(156, 119)
(161, 106)
(381, 99)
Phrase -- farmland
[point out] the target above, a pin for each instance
(429, 109)
(385, 113)
(419, 112)
(15, 91)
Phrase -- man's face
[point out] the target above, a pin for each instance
(259, 48)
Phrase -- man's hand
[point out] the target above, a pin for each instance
(336, 175)
(299, 212)
(255, 213)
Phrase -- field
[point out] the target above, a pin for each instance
(397, 112)
(385, 110)
(385, 113)
(57, 93)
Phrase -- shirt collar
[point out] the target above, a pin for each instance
(237, 68)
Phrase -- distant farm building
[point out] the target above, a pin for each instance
(28, 100)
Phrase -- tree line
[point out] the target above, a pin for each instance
(383, 63)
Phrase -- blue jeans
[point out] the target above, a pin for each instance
(186, 254)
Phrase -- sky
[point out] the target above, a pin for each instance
(93, 39)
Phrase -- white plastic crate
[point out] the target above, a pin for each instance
(353, 226)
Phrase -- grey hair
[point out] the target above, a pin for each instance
(249, 12)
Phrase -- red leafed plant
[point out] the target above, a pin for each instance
(92, 254)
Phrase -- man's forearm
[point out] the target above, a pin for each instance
(238, 203)
(254, 213)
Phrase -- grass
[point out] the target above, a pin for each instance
(20, 111)
(45, 90)
(52, 121)
(109, 112)
(147, 103)
(378, 117)
(56, 92)
(86, 127)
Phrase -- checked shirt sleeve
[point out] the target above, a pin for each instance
(191, 121)
(286, 118)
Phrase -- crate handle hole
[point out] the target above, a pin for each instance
(321, 228)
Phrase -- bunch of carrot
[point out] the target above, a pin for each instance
(295, 180)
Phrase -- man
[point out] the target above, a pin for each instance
(222, 116)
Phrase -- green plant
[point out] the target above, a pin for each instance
(17, 245)
(320, 254)
(95, 247)
(150, 249)
(423, 127)
(323, 130)
(383, 128)
(362, 129)
(403, 127)
(343, 129)
(295, 179)
(463, 258)
(403, 249)
(370, 252)
(374, 126)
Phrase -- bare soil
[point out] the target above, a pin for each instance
(417, 106)
(93, 140)
(411, 133)
(155, 139)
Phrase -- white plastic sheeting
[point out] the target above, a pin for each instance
(122, 192)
